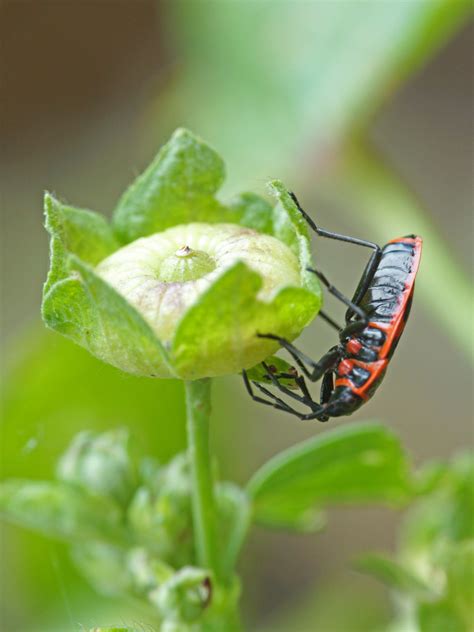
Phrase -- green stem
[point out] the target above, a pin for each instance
(198, 406)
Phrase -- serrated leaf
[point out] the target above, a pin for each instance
(358, 463)
(229, 313)
(60, 510)
(77, 231)
(178, 187)
(395, 575)
(86, 309)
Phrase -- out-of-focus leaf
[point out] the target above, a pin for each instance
(444, 516)
(439, 617)
(177, 188)
(101, 464)
(279, 76)
(358, 463)
(87, 393)
(114, 630)
(360, 182)
(104, 566)
(460, 579)
(235, 515)
(60, 510)
(395, 575)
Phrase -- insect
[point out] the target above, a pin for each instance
(352, 370)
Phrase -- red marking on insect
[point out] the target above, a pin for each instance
(353, 346)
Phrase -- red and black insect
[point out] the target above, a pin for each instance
(375, 319)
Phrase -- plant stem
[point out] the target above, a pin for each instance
(198, 407)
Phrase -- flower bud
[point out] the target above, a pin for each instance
(162, 278)
(101, 463)
(180, 284)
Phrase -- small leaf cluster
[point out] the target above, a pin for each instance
(433, 573)
(129, 524)
(129, 520)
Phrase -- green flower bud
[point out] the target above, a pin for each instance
(180, 284)
(184, 597)
(101, 463)
(160, 514)
(162, 279)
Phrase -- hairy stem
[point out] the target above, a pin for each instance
(198, 406)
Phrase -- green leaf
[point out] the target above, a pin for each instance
(235, 516)
(439, 617)
(333, 65)
(258, 373)
(395, 575)
(215, 327)
(104, 566)
(49, 380)
(357, 463)
(76, 231)
(60, 510)
(251, 210)
(102, 464)
(86, 309)
(178, 187)
(290, 227)
(460, 578)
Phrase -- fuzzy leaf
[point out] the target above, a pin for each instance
(221, 326)
(60, 510)
(290, 227)
(89, 311)
(76, 231)
(358, 463)
(249, 209)
(178, 187)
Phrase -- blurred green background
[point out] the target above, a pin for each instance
(324, 95)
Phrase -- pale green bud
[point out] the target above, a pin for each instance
(163, 275)
(101, 463)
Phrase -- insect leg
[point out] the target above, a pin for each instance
(335, 292)
(329, 320)
(327, 387)
(371, 266)
(274, 402)
(328, 361)
(330, 234)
